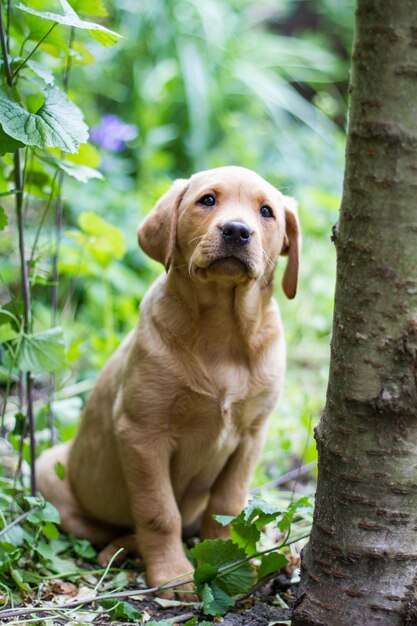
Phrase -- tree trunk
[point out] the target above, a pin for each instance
(359, 568)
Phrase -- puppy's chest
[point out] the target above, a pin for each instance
(229, 404)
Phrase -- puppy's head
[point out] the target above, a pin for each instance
(226, 225)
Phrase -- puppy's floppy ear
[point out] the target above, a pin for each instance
(291, 247)
(157, 233)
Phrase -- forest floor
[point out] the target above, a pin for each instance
(270, 605)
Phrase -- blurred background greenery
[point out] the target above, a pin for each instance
(194, 84)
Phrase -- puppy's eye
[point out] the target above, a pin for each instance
(207, 200)
(265, 211)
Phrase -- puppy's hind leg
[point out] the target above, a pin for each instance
(73, 519)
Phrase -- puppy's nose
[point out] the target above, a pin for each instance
(236, 233)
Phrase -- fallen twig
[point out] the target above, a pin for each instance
(18, 519)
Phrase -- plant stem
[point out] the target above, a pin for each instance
(21, 228)
(18, 519)
(9, 17)
(55, 258)
(3, 43)
(27, 318)
(23, 63)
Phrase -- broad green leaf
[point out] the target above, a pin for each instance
(163, 622)
(262, 509)
(82, 173)
(84, 549)
(122, 611)
(19, 424)
(8, 144)
(42, 352)
(246, 536)
(205, 573)
(215, 600)
(7, 332)
(58, 123)
(53, 562)
(41, 71)
(60, 470)
(246, 527)
(220, 554)
(17, 577)
(270, 563)
(50, 531)
(70, 18)
(15, 536)
(46, 513)
(8, 554)
(56, 40)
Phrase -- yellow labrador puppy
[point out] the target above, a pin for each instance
(172, 430)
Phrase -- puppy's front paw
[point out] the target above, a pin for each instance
(158, 576)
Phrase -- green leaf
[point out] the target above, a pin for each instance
(50, 531)
(3, 219)
(222, 553)
(17, 577)
(84, 549)
(120, 610)
(268, 512)
(19, 424)
(41, 71)
(270, 563)
(8, 144)
(42, 352)
(70, 18)
(8, 554)
(47, 512)
(205, 574)
(58, 123)
(52, 561)
(82, 173)
(7, 332)
(246, 536)
(60, 470)
(15, 536)
(215, 600)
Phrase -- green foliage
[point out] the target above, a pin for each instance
(223, 569)
(41, 352)
(58, 123)
(70, 18)
(120, 611)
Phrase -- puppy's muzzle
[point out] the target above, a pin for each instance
(235, 234)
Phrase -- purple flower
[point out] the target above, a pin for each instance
(112, 133)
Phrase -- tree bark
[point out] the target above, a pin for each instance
(359, 567)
